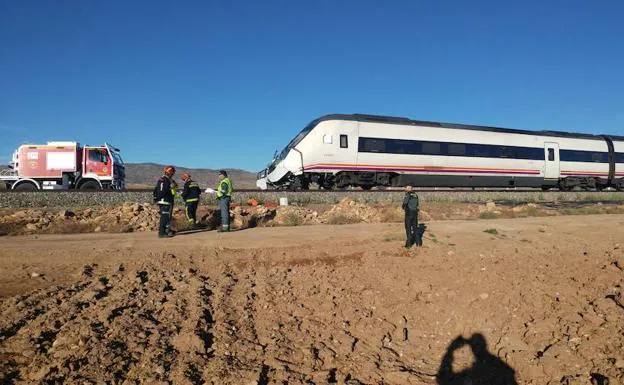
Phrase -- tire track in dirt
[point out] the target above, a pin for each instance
(347, 345)
(153, 323)
(238, 354)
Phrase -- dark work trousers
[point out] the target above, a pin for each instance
(224, 205)
(191, 212)
(165, 219)
(411, 227)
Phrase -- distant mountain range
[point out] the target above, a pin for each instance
(144, 175)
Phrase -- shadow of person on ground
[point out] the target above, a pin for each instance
(487, 369)
(203, 229)
(195, 230)
(599, 379)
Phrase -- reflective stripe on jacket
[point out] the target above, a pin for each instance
(191, 191)
(162, 191)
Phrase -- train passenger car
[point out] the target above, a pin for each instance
(337, 151)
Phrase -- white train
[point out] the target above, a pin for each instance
(338, 151)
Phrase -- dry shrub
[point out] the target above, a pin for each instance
(70, 227)
(292, 219)
(391, 237)
(535, 212)
(7, 229)
(117, 228)
(525, 212)
(391, 215)
(488, 215)
(589, 210)
(341, 219)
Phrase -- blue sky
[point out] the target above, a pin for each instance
(224, 84)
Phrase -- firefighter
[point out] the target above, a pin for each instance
(163, 197)
(224, 196)
(190, 195)
(410, 206)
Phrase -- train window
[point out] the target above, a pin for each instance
(583, 156)
(431, 148)
(402, 146)
(344, 141)
(374, 145)
(456, 149)
(551, 154)
(399, 146)
(505, 152)
(479, 150)
(327, 139)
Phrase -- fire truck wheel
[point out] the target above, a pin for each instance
(25, 186)
(90, 185)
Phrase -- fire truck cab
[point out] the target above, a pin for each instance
(64, 166)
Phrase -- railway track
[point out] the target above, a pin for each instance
(454, 190)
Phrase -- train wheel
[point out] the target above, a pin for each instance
(299, 185)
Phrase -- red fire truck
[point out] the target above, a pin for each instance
(63, 166)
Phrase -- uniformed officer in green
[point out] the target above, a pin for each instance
(224, 197)
(410, 206)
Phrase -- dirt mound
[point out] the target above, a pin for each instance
(130, 217)
(135, 217)
(350, 211)
(294, 216)
(243, 218)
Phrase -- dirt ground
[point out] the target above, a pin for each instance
(527, 300)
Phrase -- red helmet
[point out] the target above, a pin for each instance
(169, 170)
(186, 176)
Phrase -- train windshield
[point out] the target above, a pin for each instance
(295, 141)
(306, 130)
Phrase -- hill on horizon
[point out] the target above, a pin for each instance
(145, 175)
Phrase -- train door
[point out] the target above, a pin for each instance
(551, 164)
